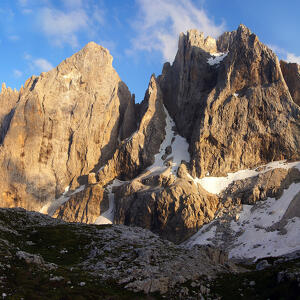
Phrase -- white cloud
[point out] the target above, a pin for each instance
(292, 58)
(62, 27)
(42, 64)
(161, 21)
(288, 56)
(17, 73)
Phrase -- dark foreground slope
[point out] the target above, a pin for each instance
(43, 258)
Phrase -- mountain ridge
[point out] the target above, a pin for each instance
(223, 105)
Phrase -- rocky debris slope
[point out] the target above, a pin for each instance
(291, 74)
(133, 258)
(230, 101)
(67, 122)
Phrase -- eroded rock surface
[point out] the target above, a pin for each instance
(291, 74)
(234, 106)
(173, 207)
(67, 123)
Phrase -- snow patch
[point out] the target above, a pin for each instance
(256, 233)
(108, 216)
(179, 149)
(216, 58)
(216, 185)
(204, 236)
(256, 239)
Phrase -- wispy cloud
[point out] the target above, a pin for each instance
(42, 64)
(291, 57)
(23, 2)
(72, 3)
(62, 27)
(14, 38)
(288, 56)
(38, 64)
(160, 22)
(17, 73)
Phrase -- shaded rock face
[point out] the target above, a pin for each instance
(84, 206)
(236, 112)
(137, 152)
(175, 208)
(8, 101)
(66, 124)
(291, 74)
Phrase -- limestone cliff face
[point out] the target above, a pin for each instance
(234, 106)
(130, 159)
(137, 152)
(67, 122)
(291, 74)
(8, 101)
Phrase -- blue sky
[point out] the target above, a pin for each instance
(36, 35)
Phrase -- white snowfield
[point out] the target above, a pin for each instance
(179, 149)
(258, 239)
(216, 58)
(216, 185)
(255, 234)
(108, 216)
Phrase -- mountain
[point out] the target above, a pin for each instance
(61, 126)
(209, 157)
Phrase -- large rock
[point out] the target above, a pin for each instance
(66, 124)
(175, 208)
(291, 74)
(132, 156)
(235, 109)
(269, 184)
(84, 206)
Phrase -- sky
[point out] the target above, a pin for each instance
(36, 35)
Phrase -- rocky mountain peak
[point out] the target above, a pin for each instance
(67, 122)
(195, 38)
(243, 83)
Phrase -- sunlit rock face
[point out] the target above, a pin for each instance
(66, 123)
(233, 106)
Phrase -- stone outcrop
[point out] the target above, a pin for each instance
(259, 188)
(67, 123)
(235, 108)
(291, 74)
(84, 206)
(173, 207)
